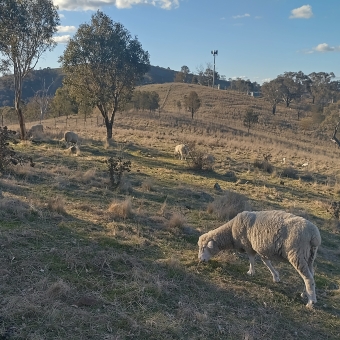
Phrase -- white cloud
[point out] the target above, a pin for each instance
(64, 29)
(61, 15)
(74, 5)
(303, 12)
(326, 48)
(241, 16)
(63, 39)
(266, 80)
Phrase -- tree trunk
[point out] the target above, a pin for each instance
(109, 126)
(274, 109)
(21, 124)
(17, 104)
(192, 113)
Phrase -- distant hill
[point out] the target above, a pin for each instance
(35, 81)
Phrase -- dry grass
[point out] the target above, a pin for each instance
(228, 206)
(120, 209)
(57, 205)
(88, 273)
(176, 220)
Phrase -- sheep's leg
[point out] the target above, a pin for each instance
(251, 270)
(275, 274)
(302, 267)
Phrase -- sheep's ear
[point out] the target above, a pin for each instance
(211, 244)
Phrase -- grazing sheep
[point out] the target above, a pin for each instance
(271, 234)
(305, 164)
(182, 151)
(35, 130)
(71, 137)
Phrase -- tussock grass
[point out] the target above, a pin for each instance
(119, 209)
(176, 220)
(228, 206)
(57, 205)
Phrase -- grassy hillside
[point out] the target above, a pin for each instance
(80, 260)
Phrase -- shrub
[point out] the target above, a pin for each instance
(290, 172)
(57, 205)
(7, 155)
(176, 221)
(120, 209)
(264, 164)
(229, 205)
(116, 169)
(199, 160)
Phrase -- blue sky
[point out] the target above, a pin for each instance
(255, 39)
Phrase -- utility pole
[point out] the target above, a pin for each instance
(214, 53)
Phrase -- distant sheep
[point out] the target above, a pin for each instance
(71, 137)
(271, 234)
(305, 164)
(35, 130)
(182, 151)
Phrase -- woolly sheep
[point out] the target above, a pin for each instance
(271, 234)
(71, 137)
(181, 150)
(35, 129)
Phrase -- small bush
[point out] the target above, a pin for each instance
(231, 176)
(290, 172)
(264, 164)
(229, 205)
(7, 155)
(176, 221)
(57, 205)
(199, 160)
(147, 185)
(116, 169)
(120, 209)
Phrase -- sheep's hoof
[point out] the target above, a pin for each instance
(250, 273)
(310, 305)
(276, 279)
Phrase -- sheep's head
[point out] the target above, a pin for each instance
(207, 248)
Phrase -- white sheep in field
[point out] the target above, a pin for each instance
(71, 137)
(272, 234)
(35, 130)
(182, 151)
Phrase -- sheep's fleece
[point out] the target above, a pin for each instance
(273, 235)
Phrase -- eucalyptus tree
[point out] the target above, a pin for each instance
(192, 103)
(26, 32)
(319, 85)
(102, 63)
(293, 84)
(271, 91)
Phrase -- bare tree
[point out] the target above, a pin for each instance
(43, 99)
(26, 32)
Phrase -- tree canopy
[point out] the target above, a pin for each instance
(192, 102)
(102, 64)
(26, 32)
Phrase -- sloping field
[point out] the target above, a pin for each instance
(80, 260)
